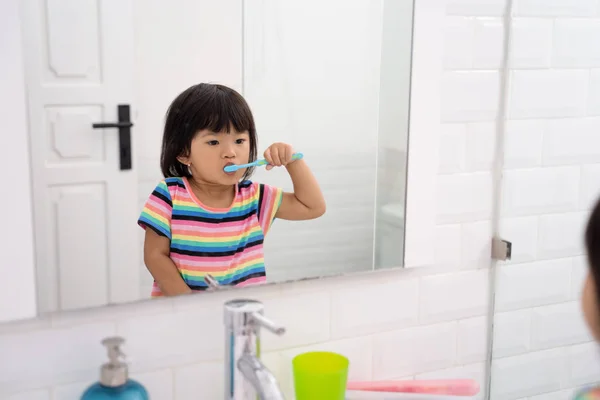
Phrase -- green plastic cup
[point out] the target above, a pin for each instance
(320, 375)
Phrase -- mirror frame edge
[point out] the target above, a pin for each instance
(423, 132)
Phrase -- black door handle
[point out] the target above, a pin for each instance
(112, 125)
(124, 125)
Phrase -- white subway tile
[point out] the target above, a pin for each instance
(26, 325)
(464, 197)
(528, 374)
(481, 144)
(34, 395)
(523, 233)
(475, 372)
(452, 148)
(538, 191)
(453, 296)
(560, 395)
(305, 316)
(511, 333)
(414, 350)
(476, 244)
(590, 186)
(548, 93)
(459, 34)
(476, 7)
(448, 246)
(575, 43)
(531, 43)
(358, 310)
(23, 364)
(519, 285)
(523, 143)
(155, 342)
(205, 379)
(593, 101)
(558, 325)
(583, 364)
(555, 8)
(470, 96)
(472, 340)
(112, 312)
(72, 390)
(578, 275)
(159, 384)
(489, 43)
(572, 141)
(561, 235)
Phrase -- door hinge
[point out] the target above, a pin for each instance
(501, 249)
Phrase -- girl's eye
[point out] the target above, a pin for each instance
(240, 141)
(213, 142)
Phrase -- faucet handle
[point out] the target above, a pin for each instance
(266, 323)
(211, 282)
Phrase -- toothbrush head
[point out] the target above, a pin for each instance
(231, 168)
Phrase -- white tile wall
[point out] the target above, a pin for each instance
(541, 347)
(423, 324)
(549, 93)
(593, 107)
(175, 346)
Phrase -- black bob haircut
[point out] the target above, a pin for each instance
(203, 106)
(592, 246)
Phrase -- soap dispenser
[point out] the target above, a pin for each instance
(114, 380)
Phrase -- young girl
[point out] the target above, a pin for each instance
(590, 298)
(203, 220)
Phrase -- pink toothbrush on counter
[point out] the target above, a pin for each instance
(451, 387)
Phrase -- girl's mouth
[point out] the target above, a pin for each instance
(229, 173)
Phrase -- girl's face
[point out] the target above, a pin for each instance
(210, 152)
(589, 304)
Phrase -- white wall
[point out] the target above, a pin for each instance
(551, 179)
(423, 323)
(18, 299)
(541, 347)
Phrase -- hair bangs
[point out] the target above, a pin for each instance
(223, 113)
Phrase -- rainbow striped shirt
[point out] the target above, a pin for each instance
(592, 393)
(224, 242)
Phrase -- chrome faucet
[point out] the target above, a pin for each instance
(246, 377)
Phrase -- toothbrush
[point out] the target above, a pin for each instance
(452, 387)
(233, 168)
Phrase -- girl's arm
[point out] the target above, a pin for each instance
(160, 265)
(307, 201)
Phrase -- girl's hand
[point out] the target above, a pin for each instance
(278, 154)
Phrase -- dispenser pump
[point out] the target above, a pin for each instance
(114, 373)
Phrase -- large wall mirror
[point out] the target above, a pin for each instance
(331, 78)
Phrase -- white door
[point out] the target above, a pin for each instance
(79, 68)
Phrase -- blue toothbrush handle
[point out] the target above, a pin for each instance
(295, 156)
(257, 163)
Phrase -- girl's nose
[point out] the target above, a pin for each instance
(228, 152)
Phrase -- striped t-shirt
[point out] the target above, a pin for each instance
(224, 242)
